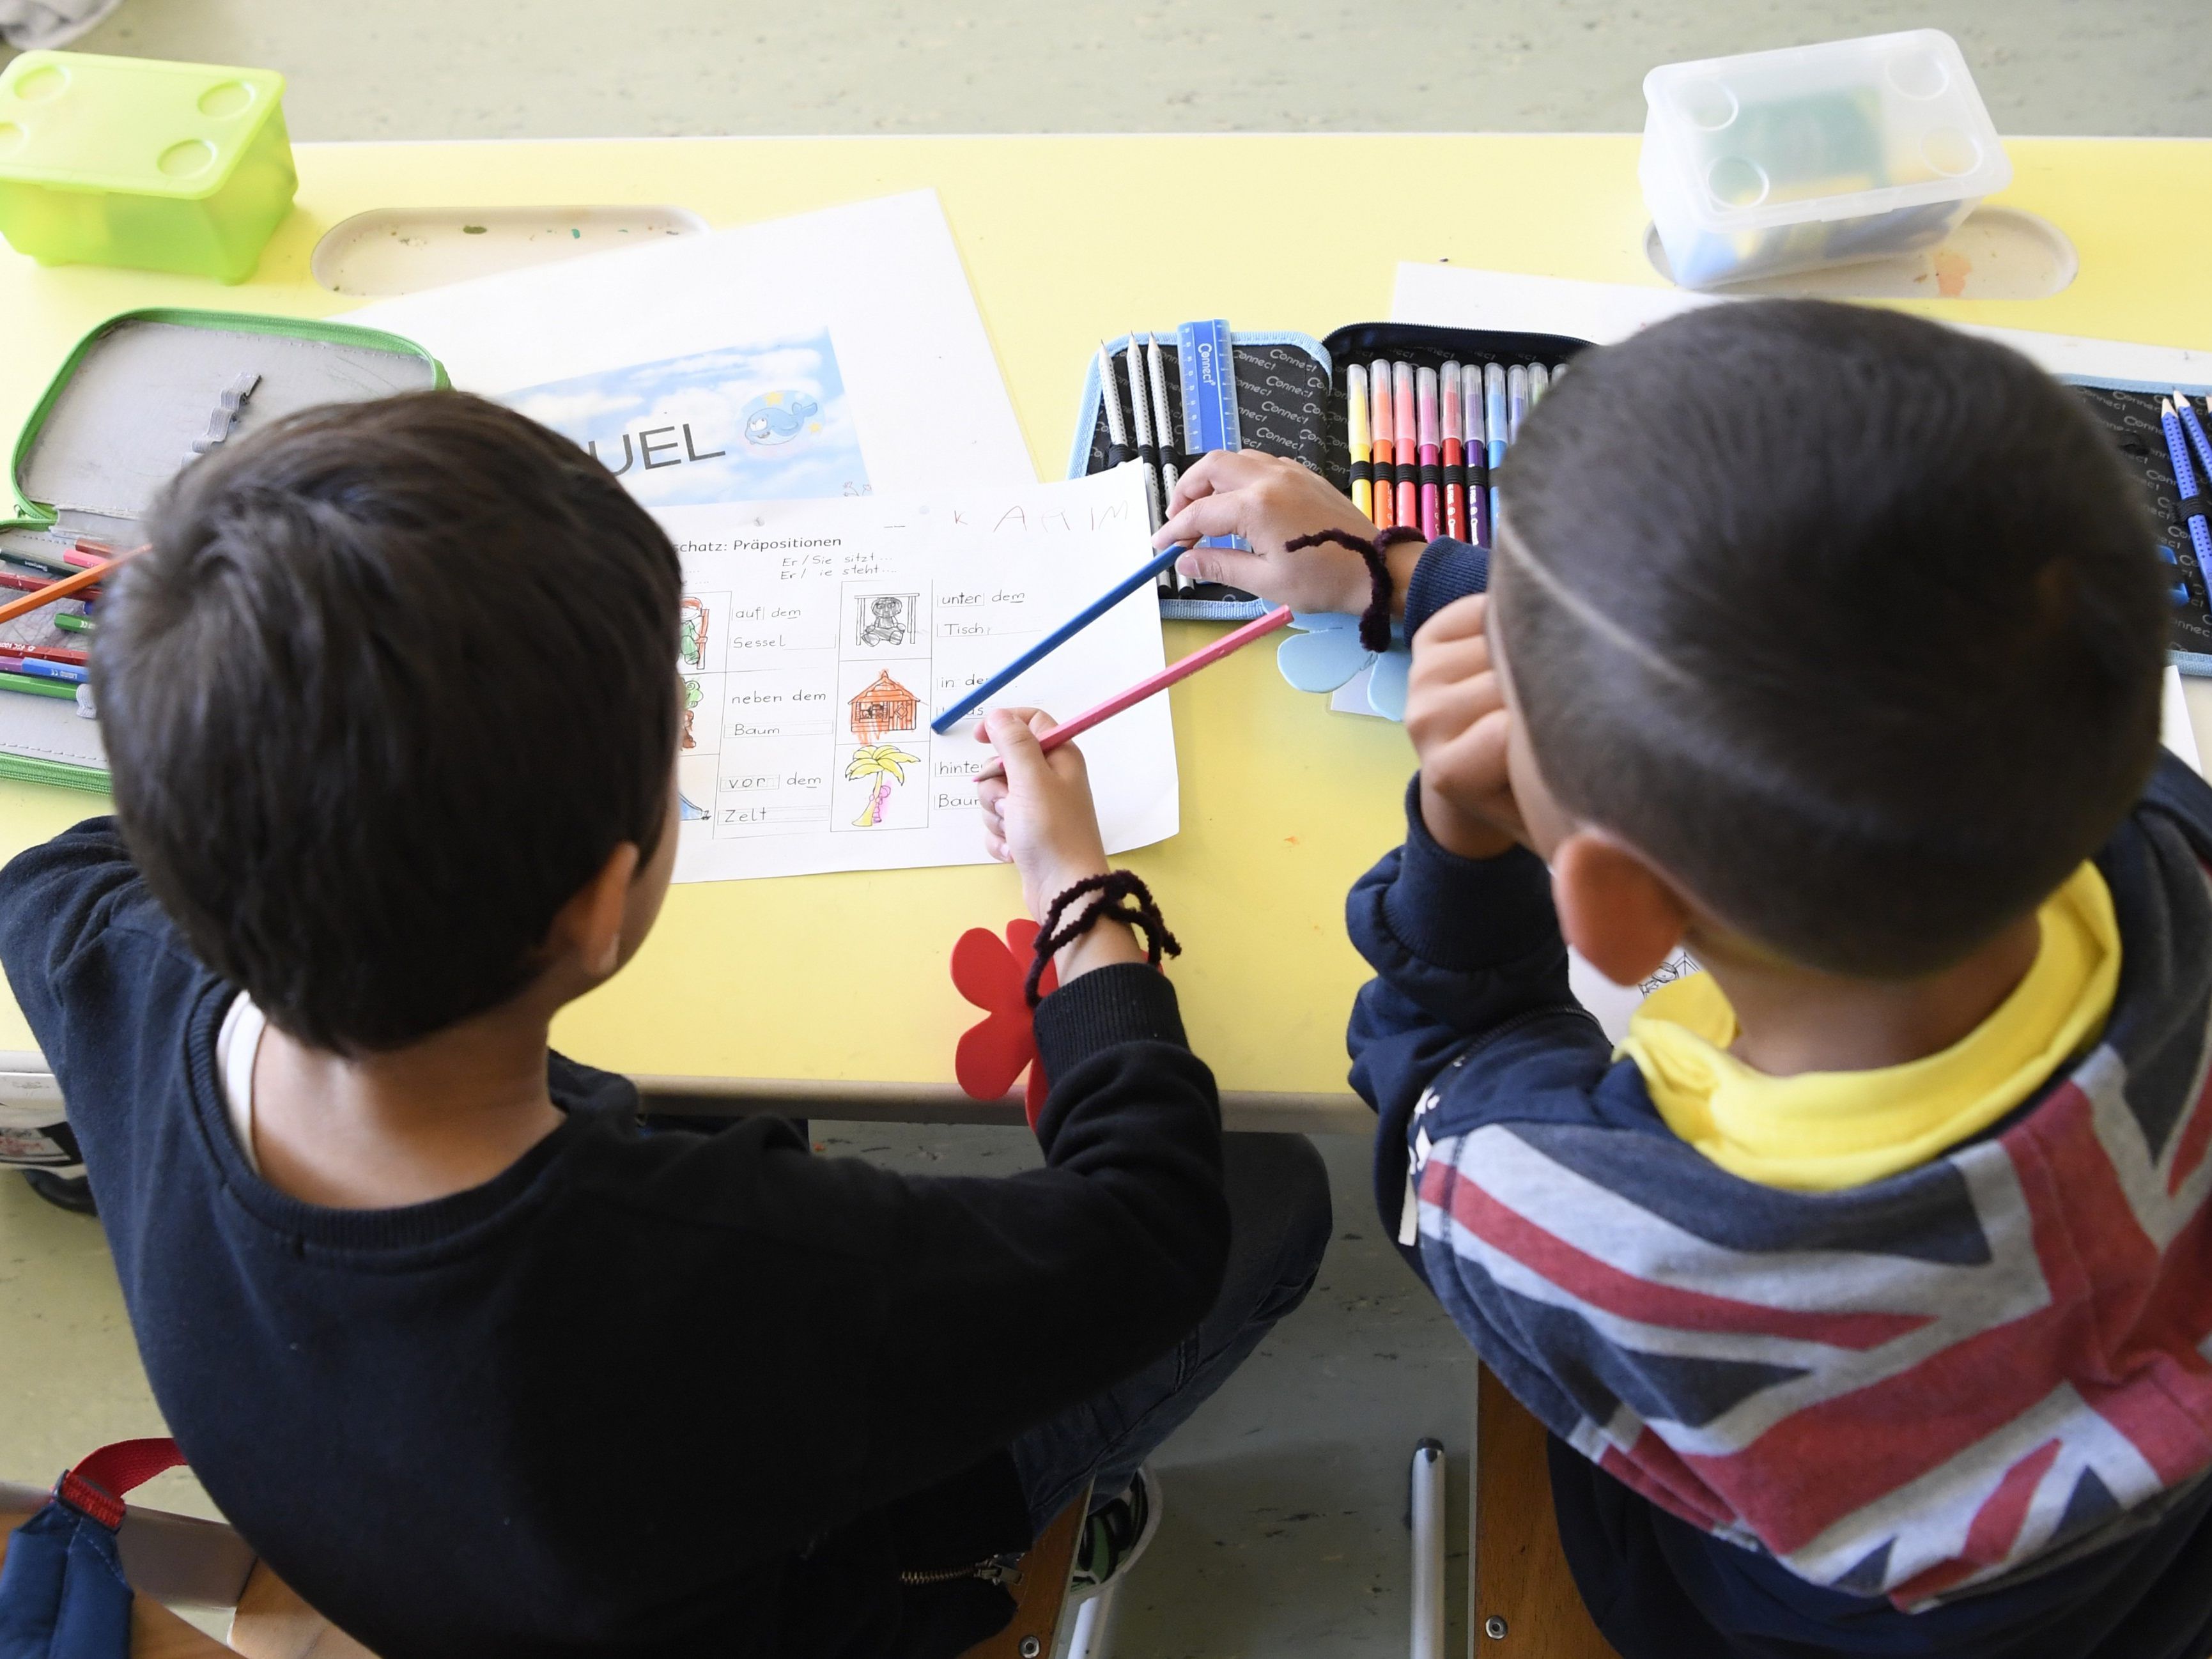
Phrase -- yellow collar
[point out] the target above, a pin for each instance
(1823, 1130)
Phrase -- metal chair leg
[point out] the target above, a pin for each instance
(1093, 1637)
(1428, 1512)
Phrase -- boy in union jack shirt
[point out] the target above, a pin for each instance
(1866, 1287)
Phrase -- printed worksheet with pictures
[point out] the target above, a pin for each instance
(820, 637)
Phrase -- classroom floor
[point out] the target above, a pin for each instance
(1283, 1533)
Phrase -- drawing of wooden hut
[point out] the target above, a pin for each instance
(883, 708)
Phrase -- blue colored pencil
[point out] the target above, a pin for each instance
(1059, 636)
(44, 670)
(2184, 480)
(2196, 427)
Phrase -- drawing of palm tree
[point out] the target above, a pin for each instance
(885, 762)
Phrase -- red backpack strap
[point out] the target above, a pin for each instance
(96, 1486)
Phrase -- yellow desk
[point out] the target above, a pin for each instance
(744, 991)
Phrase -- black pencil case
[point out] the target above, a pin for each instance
(1288, 404)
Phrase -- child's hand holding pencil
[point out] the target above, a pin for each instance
(1038, 814)
(1269, 501)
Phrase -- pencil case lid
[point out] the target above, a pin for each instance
(147, 391)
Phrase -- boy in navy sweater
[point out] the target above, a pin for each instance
(476, 1364)
(1865, 1288)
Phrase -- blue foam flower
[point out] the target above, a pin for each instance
(1324, 654)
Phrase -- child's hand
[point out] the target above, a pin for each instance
(1036, 807)
(1269, 501)
(1455, 715)
(1037, 812)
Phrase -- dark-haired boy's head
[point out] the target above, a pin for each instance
(1850, 623)
(393, 683)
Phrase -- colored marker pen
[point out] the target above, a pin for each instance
(1498, 433)
(1539, 380)
(1355, 421)
(1454, 455)
(1478, 457)
(1424, 402)
(1380, 434)
(1516, 401)
(1408, 509)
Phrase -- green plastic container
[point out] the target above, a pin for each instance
(133, 161)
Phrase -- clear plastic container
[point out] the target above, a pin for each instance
(1778, 161)
(134, 161)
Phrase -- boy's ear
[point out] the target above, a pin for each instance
(1622, 914)
(591, 923)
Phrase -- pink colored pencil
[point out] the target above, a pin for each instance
(1167, 676)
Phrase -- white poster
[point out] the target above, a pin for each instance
(862, 311)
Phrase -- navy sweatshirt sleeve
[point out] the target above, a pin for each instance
(1447, 570)
(1469, 962)
(640, 1386)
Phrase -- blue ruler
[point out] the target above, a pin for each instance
(1207, 364)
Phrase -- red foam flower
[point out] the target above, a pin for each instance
(989, 972)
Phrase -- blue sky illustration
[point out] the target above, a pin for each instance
(776, 412)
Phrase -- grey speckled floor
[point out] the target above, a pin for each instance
(501, 68)
(1282, 1533)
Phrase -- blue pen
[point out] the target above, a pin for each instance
(1061, 636)
(2185, 481)
(1495, 430)
(2196, 427)
(38, 668)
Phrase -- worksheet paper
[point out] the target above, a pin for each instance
(820, 638)
(833, 353)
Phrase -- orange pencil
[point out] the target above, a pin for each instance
(64, 588)
(1378, 434)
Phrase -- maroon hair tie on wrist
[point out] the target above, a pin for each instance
(1122, 896)
(1375, 621)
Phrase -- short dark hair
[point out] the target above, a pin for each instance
(1852, 622)
(394, 680)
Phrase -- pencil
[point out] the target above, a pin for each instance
(2192, 504)
(1381, 435)
(2195, 428)
(1061, 636)
(1408, 508)
(1431, 497)
(17, 662)
(73, 624)
(1455, 454)
(1147, 456)
(65, 588)
(1110, 393)
(1355, 421)
(1156, 377)
(37, 688)
(47, 653)
(1153, 685)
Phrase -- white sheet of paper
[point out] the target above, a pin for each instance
(608, 339)
(822, 637)
(2175, 729)
(1455, 297)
